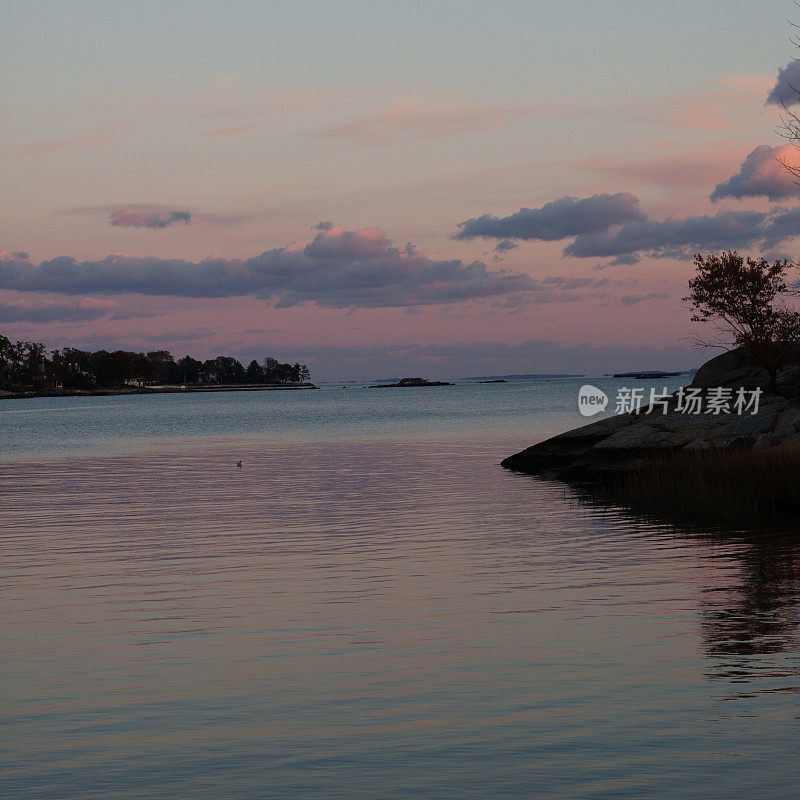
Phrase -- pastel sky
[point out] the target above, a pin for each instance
(385, 189)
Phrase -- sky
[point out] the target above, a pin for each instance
(385, 189)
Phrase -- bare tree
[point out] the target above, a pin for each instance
(789, 127)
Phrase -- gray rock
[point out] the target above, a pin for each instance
(732, 369)
(560, 451)
(620, 443)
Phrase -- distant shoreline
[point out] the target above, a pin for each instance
(4, 395)
(409, 383)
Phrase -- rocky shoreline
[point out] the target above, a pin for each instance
(622, 443)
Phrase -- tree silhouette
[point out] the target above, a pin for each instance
(26, 365)
(744, 300)
(254, 372)
(189, 369)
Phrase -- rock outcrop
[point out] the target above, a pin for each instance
(405, 382)
(619, 443)
(732, 370)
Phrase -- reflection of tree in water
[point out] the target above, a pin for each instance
(750, 619)
(757, 614)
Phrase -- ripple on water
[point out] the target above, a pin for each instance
(386, 618)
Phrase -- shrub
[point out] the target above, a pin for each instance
(731, 485)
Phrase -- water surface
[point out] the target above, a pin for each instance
(384, 614)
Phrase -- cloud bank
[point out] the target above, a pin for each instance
(337, 268)
(613, 225)
(763, 174)
(680, 238)
(83, 311)
(559, 219)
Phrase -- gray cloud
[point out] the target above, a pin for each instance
(780, 226)
(785, 90)
(52, 312)
(633, 299)
(337, 268)
(559, 219)
(322, 226)
(762, 174)
(135, 218)
(154, 216)
(125, 315)
(628, 259)
(567, 282)
(680, 238)
(504, 245)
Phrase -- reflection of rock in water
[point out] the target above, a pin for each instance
(750, 616)
(758, 613)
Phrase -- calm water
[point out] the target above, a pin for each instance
(370, 608)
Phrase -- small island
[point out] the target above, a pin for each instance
(642, 376)
(528, 376)
(406, 382)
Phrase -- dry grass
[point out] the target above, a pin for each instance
(729, 485)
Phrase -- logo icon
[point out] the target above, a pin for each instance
(591, 400)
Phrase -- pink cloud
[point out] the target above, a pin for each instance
(673, 171)
(88, 141)
(766, 172)
(413, 119)
(716, 108)
(14, 255)
(410, 119)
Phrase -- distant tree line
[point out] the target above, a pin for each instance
(29, 364)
